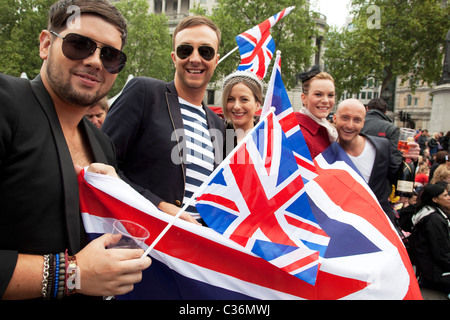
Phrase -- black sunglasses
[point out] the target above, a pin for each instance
(78, 47)
(185, 50)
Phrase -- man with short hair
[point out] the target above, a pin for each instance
(422, 140)
(44, 141)
(370, 155)
(168, 142)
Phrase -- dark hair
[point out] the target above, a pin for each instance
(60, 13)
(194, 21)
(378, 104)
(314, 74)
(441, 157)
(427, 194)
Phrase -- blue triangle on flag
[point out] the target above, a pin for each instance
(301, 207)
(345, 240)
(270, 250)
(289, 164)
(315, 247)
(216, 218)
(309, 275)
(218, 179)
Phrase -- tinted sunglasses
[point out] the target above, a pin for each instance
(185, 50)
(78, 47)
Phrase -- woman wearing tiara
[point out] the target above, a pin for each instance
(241, 98)
(318, 99)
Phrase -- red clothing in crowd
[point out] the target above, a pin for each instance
(316, 136)
(421, 178)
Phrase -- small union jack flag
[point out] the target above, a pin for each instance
(257, 47)
(257, 200)
(277, 98)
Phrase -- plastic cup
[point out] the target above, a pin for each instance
(406, 136)
(133, 234)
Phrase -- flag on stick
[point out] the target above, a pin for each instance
(190, 262)
(277, 97)
(257, 46)
(257, 200)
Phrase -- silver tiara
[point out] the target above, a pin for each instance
(240, 76)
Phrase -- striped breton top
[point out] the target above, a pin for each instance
(199, 150)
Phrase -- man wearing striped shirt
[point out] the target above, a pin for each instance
(167, 141)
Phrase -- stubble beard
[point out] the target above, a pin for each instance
(65, 91)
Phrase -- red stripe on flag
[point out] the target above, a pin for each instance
(250, 37)
(302, 262)
(305, 226)
(265, 33)
(305, 164)
(288, 122)
(269, 138)
(220, 200)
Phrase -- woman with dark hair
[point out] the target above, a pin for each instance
(430, 238)
(242, 97)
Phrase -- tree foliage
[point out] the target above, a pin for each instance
(21, 22)
(292, 34)
(389, 38)
(148, 46)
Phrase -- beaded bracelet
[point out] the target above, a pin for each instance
(62, 276)
(51, 278)
(55, 288)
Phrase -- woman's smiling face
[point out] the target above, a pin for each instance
(320, 98)
(241, 106)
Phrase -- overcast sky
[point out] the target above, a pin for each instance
(336, 11)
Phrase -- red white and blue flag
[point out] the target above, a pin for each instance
(257, 46)
(278, 99)
(360, 254)
(190, 262)
(363, 242)
(256, 198)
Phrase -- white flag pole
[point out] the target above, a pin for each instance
(225, 56)
(175, 218)
(200, 189)
(269, 93)
(155, 242)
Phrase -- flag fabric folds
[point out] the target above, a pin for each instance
(257, 200)
(277, 98)
(353, 249)
(361, 235)
(257, 46)
(190, 262)
(357, 246)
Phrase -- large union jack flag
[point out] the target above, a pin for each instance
(343, 245)
(257, 200)
(257, 46)
(364, 259)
